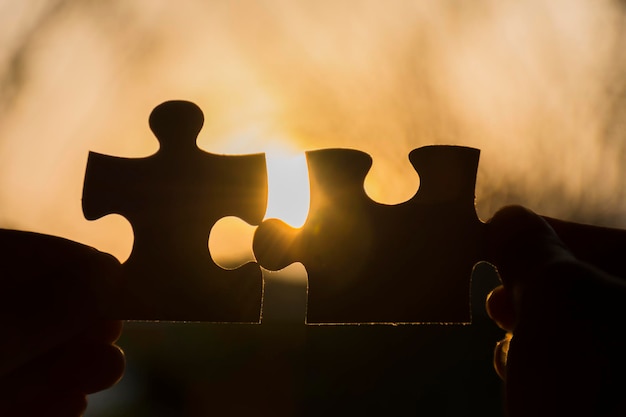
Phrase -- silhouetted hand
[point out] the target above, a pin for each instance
(564, 311)
(54, 345)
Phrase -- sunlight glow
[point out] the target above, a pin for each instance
(288, 187)
(230, 242)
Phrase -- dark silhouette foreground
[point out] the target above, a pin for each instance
(564, 306)
(55, 347)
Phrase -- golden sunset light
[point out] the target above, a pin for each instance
(384, 81)
(230, 241)
(288, 183)
(538, 86)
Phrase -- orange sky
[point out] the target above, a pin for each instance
(538, 86)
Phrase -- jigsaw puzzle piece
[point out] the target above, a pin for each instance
(374, 263)
(172, 200)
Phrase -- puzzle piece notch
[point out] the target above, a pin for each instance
(172, 200)
(373, 263)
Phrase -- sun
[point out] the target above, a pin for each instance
(230, 239)
(288, 187)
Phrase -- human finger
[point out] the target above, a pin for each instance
(519, 242)
(86, 367)
(500, 308)
(602, 247)
(79, 365)
(500, 355)
(532, 259)
(52, 276)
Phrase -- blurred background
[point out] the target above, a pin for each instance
(539, 87)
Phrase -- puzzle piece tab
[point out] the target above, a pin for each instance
(374, 263)
(172, 200)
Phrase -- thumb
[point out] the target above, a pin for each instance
(520, 243)
(533, 261)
